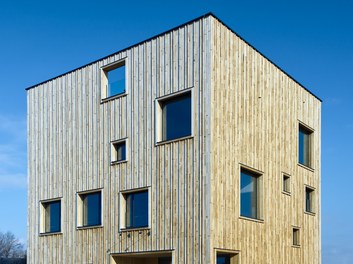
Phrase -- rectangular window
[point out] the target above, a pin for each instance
(249, 194)
(304, 154)
(118, 151)
(286, 183)
(296, 237)
(223, 259)
(114, 80)
(174, 117)
(51, 217)
(309, 205)
(227, 257)
(136, 209)
(89, 209)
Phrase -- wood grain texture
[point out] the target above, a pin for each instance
(256, 111)
(69, 135)
(246, 112)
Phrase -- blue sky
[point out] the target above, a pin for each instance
(311, 40)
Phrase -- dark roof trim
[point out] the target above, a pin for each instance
(170, 30)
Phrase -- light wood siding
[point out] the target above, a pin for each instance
(245, 112)
(256, 109)
(69, 135)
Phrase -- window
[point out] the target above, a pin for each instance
(223, 259)
(250, 194)
(135, 205)
(227, 257)
(309, 204)
(51, 217)
(174, 117)
(286, 183)
(304, 146)
(89, 209)
(113, 82)
(296, 237)
(118, 151)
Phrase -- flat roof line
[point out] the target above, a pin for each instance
(170, 30)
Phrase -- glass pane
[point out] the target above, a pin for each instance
(116, 81)
(248, 192)
(223, 259)
(137, 209)
(304, 147)
(308, 206)
(176, 117)
(120, 151)
(52, 217)
(92, 209)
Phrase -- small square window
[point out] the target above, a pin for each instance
(118, 151)
(286, 183)
(305, 143)
(51, 217)
(135, 205)
(89, 209)
(296, 237)
(250, 194)
(309, 197)
(114, 80)
(174, 117)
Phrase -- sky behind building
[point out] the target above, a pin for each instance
(310, 40)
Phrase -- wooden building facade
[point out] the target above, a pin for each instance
(94, 149)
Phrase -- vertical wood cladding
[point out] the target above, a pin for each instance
(245, 112)
(69, 137)
(256, 110)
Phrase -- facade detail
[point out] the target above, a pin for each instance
(189, 147)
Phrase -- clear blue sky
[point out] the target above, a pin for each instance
(311, 40)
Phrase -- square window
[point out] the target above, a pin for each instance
(114, 80)
(174, 117)
(309, 204)
(304, 140)
(51, 217)
(296, 237)
(250, 194)
(135, 205)
(286, 183)
(89, 209)
(118, 151)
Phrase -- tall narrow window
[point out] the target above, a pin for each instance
(296, 237)
(249, 194)
(309, 205)
(51, 217)
(136, 209)
(175, 121)
(304, 154)
(286, 183)
(90, 205)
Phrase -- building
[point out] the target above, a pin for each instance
(188, 147)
